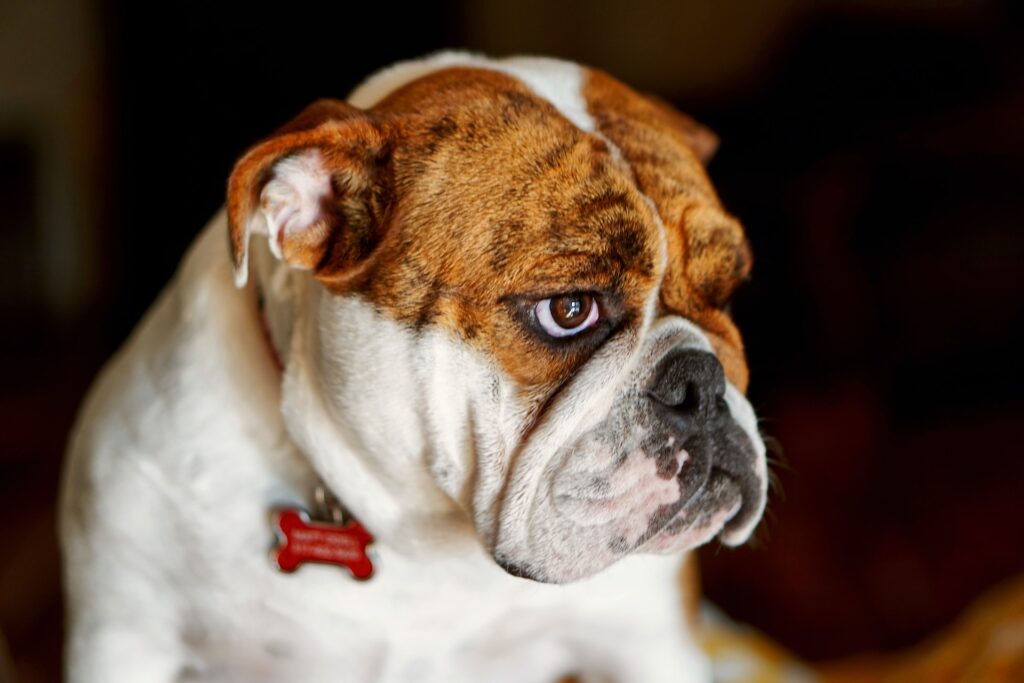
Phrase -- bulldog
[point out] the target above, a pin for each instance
(484, 304)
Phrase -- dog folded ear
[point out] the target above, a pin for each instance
(701, 139)
(318, 189)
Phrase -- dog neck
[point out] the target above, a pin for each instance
(395, 498)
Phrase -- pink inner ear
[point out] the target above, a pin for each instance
(292, 200)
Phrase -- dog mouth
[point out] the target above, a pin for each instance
(675, 499)
(727, 505)
(593, 536)
(636, 486)
(716, 509)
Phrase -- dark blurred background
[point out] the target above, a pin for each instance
(873, 148)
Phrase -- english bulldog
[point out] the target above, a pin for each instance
(484, 304)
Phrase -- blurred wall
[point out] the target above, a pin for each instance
(692, 48)
(50, 152)
(52, 167)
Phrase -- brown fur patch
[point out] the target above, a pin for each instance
(462, 198)
(708, 252)
(502, 200)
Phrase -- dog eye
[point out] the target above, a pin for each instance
(567, 315)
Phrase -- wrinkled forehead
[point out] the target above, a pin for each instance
(497, 179)
(538, 181)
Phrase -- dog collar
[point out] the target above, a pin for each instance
(327, 535)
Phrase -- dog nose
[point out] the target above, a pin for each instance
(690, 385)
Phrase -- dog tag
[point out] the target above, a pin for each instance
(303, 540)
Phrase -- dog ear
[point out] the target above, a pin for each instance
(317, 189)
(701, 139)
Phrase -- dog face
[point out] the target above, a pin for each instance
(521, 271)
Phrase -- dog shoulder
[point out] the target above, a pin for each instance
(169, 398)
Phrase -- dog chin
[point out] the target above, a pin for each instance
(709, 513)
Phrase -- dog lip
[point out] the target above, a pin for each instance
(740, 471)
(517, 570)
(681, 514)
(717, 480)
(718, 490)
(738, 527)
(701, 519)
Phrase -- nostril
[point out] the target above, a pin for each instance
(691, 384)
(689, 403)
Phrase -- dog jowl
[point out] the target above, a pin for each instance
(559, 263)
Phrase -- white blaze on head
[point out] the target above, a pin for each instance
(559, 82)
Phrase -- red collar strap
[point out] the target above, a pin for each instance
(265, 329)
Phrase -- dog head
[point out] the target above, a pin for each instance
(519, 272)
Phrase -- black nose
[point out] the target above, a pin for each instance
(689, 385)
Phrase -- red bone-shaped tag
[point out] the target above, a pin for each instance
(302, 540)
